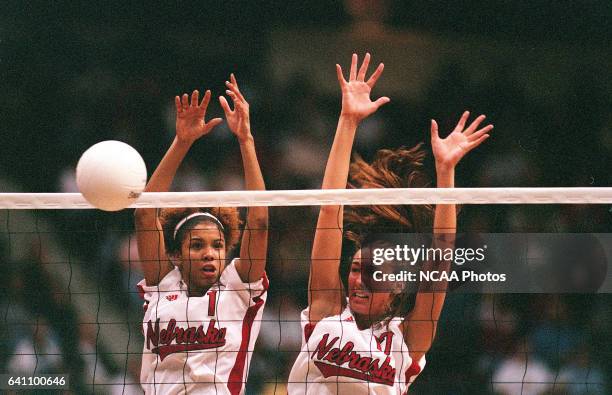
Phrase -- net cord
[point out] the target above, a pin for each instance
(319, 197)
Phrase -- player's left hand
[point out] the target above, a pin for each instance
(238, 118)
(449, 151)
(190, 123)
(356, 101)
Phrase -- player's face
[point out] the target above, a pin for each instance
(361, 299)
(202, 256)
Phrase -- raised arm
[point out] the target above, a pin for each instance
(325, 295)
(420, 326)
(254, 246)
(190, 126)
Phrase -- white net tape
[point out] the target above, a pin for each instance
(317, 197)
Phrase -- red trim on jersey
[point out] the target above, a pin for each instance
(141, 291)
(234, 383)
(413, 370)
(308, 329)
(265, 283)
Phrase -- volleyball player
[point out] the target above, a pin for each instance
(202, 314)
(372, 342)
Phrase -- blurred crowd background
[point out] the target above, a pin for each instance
(77, 74)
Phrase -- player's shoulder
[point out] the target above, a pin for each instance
(336, 320)
(230, 274)
(231, 279)
(170, 283)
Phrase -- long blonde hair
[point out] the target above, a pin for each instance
(399, 168)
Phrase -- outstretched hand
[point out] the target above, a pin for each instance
(190, 123)
(237, 119)
(449, 151)
(356, 102)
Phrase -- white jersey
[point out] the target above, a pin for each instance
(200, 345)
(339, 358)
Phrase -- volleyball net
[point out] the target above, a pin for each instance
(70, 304)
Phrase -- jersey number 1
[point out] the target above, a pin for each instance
(212, 302)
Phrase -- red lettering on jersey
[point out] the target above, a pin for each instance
(359, 367)
(323, 348)
(387, 338)
(188, 339)
(172, 297)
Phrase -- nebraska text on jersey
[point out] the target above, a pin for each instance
(203, 344)
(189, 339)
(347, 362)
(337, 357)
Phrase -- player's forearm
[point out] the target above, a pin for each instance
(445, 217)
(253, 178)
(337, 169)
(162, 178)
(257, 217)
(431, 296)
(327, 245)
(330, 221)
(444, 230)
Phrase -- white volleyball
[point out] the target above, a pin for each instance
(111, 175)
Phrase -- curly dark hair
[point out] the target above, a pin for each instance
(228, 216)
(399, 168)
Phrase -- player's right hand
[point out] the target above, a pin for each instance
(356, 102)
(190, 123)
(238, 119)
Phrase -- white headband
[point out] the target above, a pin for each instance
(198, 214)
